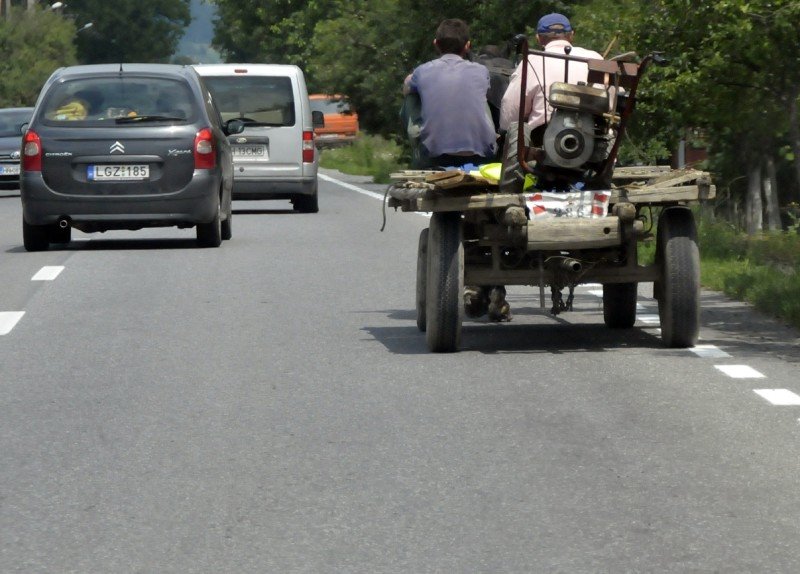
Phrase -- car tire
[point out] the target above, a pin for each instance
(444, 299)
(227, 225)
(35, 237)
(210, 234)
(422, 279)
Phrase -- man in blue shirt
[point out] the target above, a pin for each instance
(457, 126)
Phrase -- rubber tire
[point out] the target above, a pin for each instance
(444, 305)
(306, 203)
(226, 226)
(512, 177)
(678, 290)
(35, 237)
(619, 305)
(422, 279)
(210, 234)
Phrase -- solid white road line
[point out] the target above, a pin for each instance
(649, 319)
(360, 190)
(709, 352)
(779, 397)
(8, 319)
(48, 273)
(351, 186)
(739, 371)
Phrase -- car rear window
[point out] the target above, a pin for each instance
(102, 100)
(11, 122)
(267, 100)
(330, 106)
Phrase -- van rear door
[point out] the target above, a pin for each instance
(271, 143)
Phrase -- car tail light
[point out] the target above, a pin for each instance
(308, 147)
(31, 152)
(205, 156)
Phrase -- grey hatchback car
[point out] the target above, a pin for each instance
(11, 122)
(125, 146)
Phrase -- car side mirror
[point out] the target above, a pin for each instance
(234, 126)
(317, 119)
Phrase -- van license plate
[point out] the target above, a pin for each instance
(125, 172)
(249, 151)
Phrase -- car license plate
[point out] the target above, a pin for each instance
(249, 151)
(9, 170)
(126, 172)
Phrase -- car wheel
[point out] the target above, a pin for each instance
(210, 234)
(35, 237)
(227, 225)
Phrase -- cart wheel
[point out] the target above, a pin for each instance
(619, 305)
(678, 289)
(512, 178)
(422, 276)
(444, 304)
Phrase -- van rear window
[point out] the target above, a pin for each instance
(267, 100)
(330, 106)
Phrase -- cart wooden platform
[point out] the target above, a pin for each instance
(480, 237)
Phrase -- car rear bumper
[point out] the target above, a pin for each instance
(193, 204)
(252, 188)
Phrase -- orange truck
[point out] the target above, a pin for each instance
(341, 120)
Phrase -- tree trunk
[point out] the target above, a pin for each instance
(771, 196)
(753, 206)
(794, 134)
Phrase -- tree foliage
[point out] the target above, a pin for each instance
(732, 75)
(33, 43)
(141, 31)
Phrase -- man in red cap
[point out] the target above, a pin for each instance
(555, 34)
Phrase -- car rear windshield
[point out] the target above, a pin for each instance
(106, 100)
(330, 106)
(267, 100)
(11, 122)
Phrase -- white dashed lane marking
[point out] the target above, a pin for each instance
(739, 371)
(48, 273)
(8, 320)
(779, 397)
(709, 352)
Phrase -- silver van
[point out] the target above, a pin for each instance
(275, 157)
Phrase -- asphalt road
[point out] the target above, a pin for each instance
(270, 406)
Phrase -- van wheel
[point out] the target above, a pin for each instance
(35, 237)
(306, 203)
(210, 234)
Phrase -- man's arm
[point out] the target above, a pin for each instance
(509, 106)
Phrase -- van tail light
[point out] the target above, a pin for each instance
(205, 154)
(31, 152)
(308, 147)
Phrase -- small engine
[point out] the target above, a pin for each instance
(577, 135)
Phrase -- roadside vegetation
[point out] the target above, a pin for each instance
(370, 155)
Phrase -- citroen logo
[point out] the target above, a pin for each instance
(117, 147)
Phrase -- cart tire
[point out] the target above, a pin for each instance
(422, 276)
(444, 304)
(512, 178)
(619, 305)
(678, 289)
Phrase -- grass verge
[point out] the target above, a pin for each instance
(368, 155)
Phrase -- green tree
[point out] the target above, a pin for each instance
(141, 31)
(33, 43)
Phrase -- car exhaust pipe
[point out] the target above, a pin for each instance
(63, 223)
(572, 265)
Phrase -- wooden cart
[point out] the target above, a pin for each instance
(480, 237)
